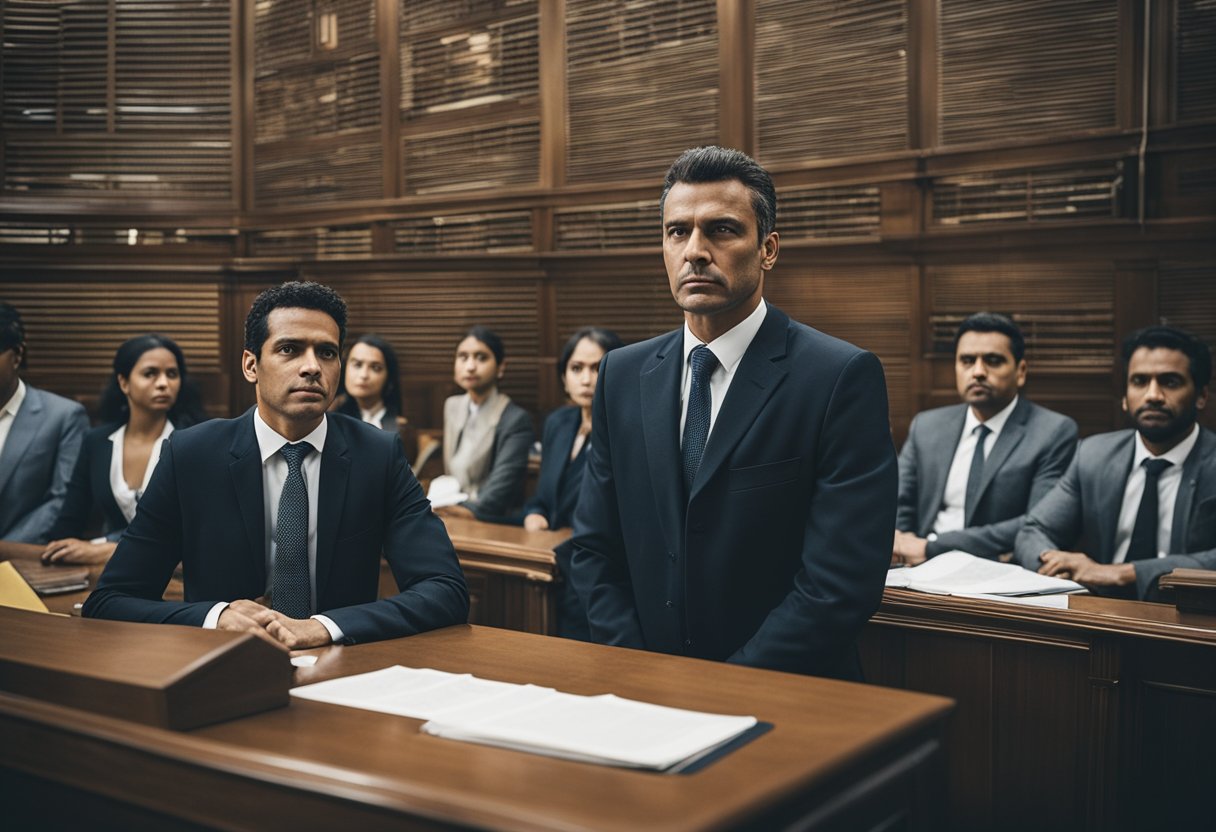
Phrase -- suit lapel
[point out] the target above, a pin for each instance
(660, 389)
(26, 425)
(1009, 438)
(246, 471)
(335, 470)
(756, 377)
(1191, 472)
(1109, 493)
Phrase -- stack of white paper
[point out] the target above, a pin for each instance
(601, 729)
(958, 573)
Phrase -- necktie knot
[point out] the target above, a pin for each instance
(294, 454)
(981, 431)
(703, 362)
(1153, 468)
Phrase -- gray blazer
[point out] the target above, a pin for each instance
(1081, 512)
(1029, 455)
(37, 462)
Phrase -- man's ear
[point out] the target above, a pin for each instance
(768, 251)
(249, 366)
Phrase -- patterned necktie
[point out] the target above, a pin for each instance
(696, 423)
(1143, 544)
(290, 589)
(976, 475)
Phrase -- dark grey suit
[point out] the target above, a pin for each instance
(37, 462)
(1030, 453)
(1081, 513)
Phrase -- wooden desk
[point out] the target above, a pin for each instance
(840, 756)
(1101, 716)
(511, 572)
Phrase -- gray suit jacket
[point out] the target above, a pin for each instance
(1029, 455)
(1081, 512)
(37, 462)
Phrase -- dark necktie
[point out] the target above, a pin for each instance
(976, 475)
(696, 423)
(1143, 544)
(290, 590)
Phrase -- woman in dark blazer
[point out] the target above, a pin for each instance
(371, 383)
(563, 456)
(147, 396)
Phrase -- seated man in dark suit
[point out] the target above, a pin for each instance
(40, 437)
(286, 505)
(1136, 504)
(969, 472)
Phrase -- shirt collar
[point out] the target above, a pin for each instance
(122, 432)
(14, 402)
(270, 441)
(994, 423)
(376, 415)
(729, 347)
(1176, 454)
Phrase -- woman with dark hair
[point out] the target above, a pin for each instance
(371, 383)
(486, 436)
(567, 431)
(148, 396)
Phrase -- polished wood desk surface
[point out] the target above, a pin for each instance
(326, 763)
(530, 550)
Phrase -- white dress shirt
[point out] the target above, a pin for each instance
(953, 514)
(1167, 495)
(124, 496)
(274, 475)
(9, 412)
(728, 348)
(374, 417)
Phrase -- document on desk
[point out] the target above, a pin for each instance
(958, 573)
(603, 729)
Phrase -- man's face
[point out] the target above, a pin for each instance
(715, 260)
(297, 371)
(1161, 399)
(988, 378)
(10, 363)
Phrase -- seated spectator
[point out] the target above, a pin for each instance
(564, 454)
(485, 435)
(969, 472)
(1136, 504)
(148, 396)
(371, 383)
(40, 436)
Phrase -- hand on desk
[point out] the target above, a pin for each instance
(536, 523)
(75, 551)
(1079, 567)
(908, 550)
(285, 633)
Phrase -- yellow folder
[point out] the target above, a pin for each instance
(15, 592)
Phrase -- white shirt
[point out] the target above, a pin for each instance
(1167, 495)
(728, 348)
(8, 413)
(274, 475)
(953, 514)
(374, 417)
(123, 495)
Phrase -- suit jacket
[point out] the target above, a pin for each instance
(1028, 456)
(37, 463)
(1082, 511)
(553, 499)
(89, 493)
(503, 488)
(779, 554)
(204, 508)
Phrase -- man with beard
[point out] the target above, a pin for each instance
(1136, 504)
(969, 472)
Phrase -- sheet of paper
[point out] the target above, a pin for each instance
(1058, 601)
(959, 573)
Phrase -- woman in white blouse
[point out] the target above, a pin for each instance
(147, 397)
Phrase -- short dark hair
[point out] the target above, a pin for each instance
(1172, 338)
(295, 294)
(993, 322)
(391, 394)
(186, 411)
(605, 338)
(12, 331)
(719, 164)
(488, 337)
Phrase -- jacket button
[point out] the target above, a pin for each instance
(670, 604)
(671, 555)
(688, 642)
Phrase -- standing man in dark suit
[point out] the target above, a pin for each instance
(279, 516)
(739, 498)
(969, 472)
(40, 437)
(1136, 504)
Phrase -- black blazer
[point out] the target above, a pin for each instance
(90, 495)
(204, 508)
(554, 498)
(778, 556)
